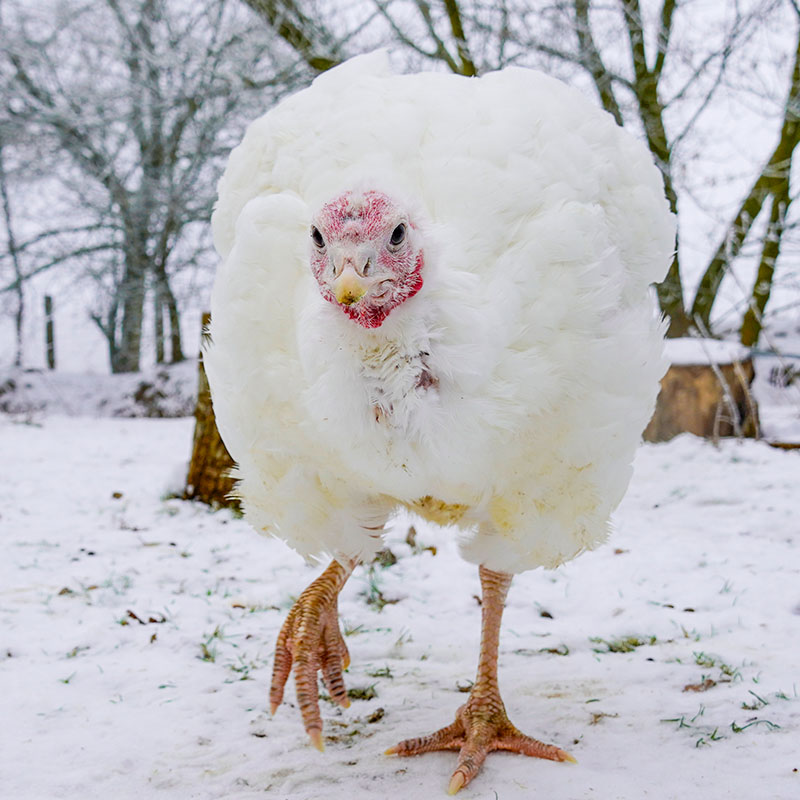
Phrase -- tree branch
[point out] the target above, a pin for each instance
(82, 251)
(633, 24)
(75, 141)
(44, 235)
(456, 26)
(441, 50)
(381, 5)
(664, 31)
(592, 61)
(286, 19)
(762, 287)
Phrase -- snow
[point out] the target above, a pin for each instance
(695, 350)
(163, 391)
(776, 389)
(137, 632)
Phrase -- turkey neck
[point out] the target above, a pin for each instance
(396, 375)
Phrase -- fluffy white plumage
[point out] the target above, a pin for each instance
(543, 226)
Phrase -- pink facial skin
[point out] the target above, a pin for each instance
(370, 238)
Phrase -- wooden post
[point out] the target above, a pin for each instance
(158, 321)
(208, 479)
(49, 332)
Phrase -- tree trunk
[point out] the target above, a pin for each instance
(208, 479)
(131, 299)
(167, 303)
(175, 341)
(751, 324)
(708, 401)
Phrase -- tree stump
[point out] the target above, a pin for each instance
(208, 479)
(709, 398)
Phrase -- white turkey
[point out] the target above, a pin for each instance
(435, 294)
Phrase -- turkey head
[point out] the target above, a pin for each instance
(366, 255)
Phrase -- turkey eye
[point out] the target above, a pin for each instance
(317, 237)
(398, 234)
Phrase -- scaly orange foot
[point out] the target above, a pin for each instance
(481, 726)
(310, 640)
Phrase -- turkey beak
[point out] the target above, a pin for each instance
(349, 287)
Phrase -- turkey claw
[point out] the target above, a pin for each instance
(480, 727)
(310, 641)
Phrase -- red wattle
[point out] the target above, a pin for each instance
(373, 316)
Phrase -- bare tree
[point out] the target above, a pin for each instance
(135, 128)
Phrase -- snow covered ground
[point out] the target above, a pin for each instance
(136, 635)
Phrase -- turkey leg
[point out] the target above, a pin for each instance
(310, 640)
(482, 724)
